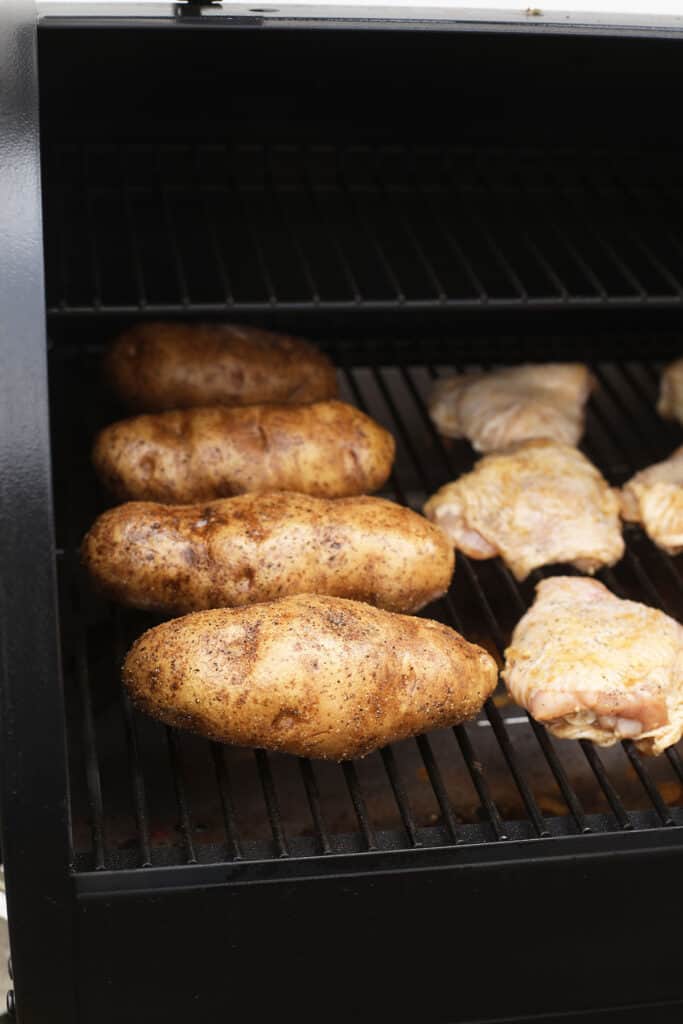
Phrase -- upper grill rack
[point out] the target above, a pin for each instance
(155, 230)
(145, 795)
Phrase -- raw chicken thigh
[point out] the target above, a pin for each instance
(517, 403)
(654, 497)
(535, 504)
(592, 666)
(670, 404)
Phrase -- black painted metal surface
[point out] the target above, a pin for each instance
(32, 769)
(458, 942)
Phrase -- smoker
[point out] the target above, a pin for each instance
(415, 190)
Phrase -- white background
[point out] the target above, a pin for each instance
(648, 7)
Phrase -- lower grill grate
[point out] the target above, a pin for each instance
(144, 795)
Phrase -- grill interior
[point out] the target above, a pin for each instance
(352, 239)
(143, 795)
(280, 229)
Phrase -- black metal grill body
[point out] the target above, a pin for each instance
(416, 197)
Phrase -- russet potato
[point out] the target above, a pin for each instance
(258, 547)
(313, 676)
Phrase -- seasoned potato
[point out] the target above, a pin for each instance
(256, 547)
(308, 675)
(328, 448)
(158, 366)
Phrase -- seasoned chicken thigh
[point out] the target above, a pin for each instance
(654, 497)
(517, 403)
(670, 404)
(535, 504)
(592, 666)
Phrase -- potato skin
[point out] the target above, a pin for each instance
(312, 676)
(157, 366)
(257, 547)
(328, 449)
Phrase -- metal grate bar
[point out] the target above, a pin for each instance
(312, 191)
(507, 748)
(313, 796)
(400, 795)
(398, 214)
(505, 743)
(61, 248)
(314, 291)
(580, 262)
(656, 262)
(549, 219)
(468, 213)
(180, 789)
(92, 767)
(477, 774)
(593, 231)
(359, 805)
(227, 805)
(512, 587)
(371, 234)
(647, 584)
(212, 232)
(662, 226)
(639, 438)
(137, 783)
(495, 248)
(266, 276)
(272, 803)
(437, 783)
(173, 237)
(568, 794)
(630, 231)
(648, 785)
(613, 798)
(675, 761)
(136, 777)
(452, 243)
(520, 223)
(673, 194)
(134, 243)
(549, 271)
(363, 405)
(92, 239)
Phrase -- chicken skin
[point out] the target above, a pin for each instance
(654, 498)
(518, 403)
(535, 504)
(670, 404)
(589, 665)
